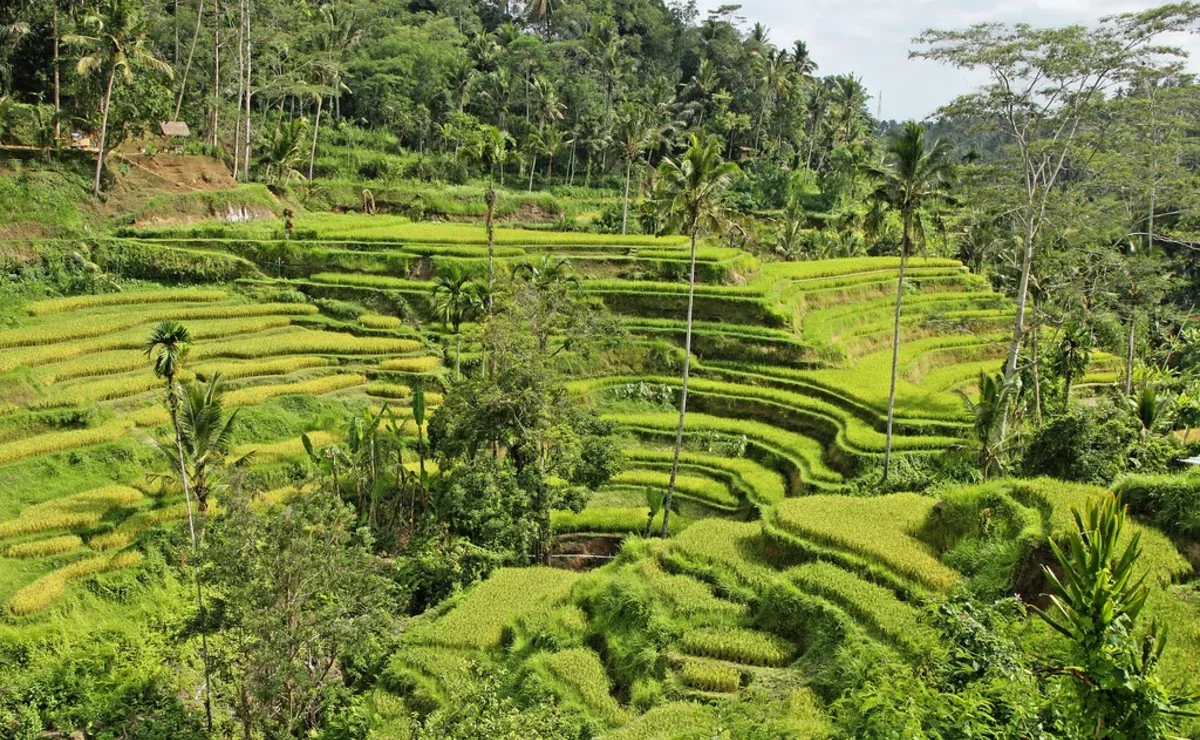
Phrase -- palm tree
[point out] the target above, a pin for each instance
(987, 415)
(493, 147)
(207, 435)
(636, 131)
(910, 178)
(453, 302)
(690, 196)
(118, 43)
(167, 345)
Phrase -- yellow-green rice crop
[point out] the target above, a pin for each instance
(704, 489)
(133, 525)
(423, 364)
(731, 546)
(305, 342)
(611, 519)
(315, 387)
(75, 303)
(878, 529)
(687, 596)
(254, 369)
(43, 444)
(582, 673)
(261, 454)
(768, 486)
(379, 321)
(713, 677)
(275, 496)
(92, 365)
(70, 512)
(44, 548)
(47, 589)
(478, 620)
(739, 646)
(389, 390)
(665, 720)
(875, 606)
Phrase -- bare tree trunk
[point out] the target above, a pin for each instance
(571, 165)
(891, 408)
(187, 67)
(312, 154)
(173, 402)
(490, 198)
(532, 169)
(687, 366)
(249, 60)
(57, 87)
(625, 208)
(216, 101)
(1129, 351)
(112, 76)
(237, 127)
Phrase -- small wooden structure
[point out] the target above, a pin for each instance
(174, 132)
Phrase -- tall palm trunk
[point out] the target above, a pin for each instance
(1129, 352)
(173, 402)
(687, 366)
(891, 408)
(625, 209)
(187, 67)
(57, 86)
(312, 152)
(490, 198)
(112, 76)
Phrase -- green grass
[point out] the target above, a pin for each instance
(677, 720)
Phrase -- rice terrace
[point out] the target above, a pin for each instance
(579, 369)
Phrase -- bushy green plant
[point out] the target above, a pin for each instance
(1170, 502)
(1084, 444)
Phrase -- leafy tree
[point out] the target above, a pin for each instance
(299, 604)
(117, 44)
(690, 196)
(1045, 89)
(1095, 604)
(912, 177)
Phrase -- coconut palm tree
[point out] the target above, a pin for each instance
(167, 346)
(207, 435)
(636, 132)
(116, 44)
(910, 178)
(493, 148)
(454, 302)
(690, 197)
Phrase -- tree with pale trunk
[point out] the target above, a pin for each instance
(690, 198)
(911, 177)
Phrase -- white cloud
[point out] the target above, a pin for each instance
(872, 38)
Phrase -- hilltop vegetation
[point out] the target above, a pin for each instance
(574, 369)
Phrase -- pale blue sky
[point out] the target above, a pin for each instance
(872, 38)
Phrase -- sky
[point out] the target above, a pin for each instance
(872, 38)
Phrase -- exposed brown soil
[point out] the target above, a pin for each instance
(584, 551)
(173, 173)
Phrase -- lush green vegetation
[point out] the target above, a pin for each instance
(571, 370)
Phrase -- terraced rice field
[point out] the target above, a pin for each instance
(787, 407)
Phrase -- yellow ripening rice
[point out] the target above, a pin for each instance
(70, 512)
(75, 303)
(46, 590)
(425, 364)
